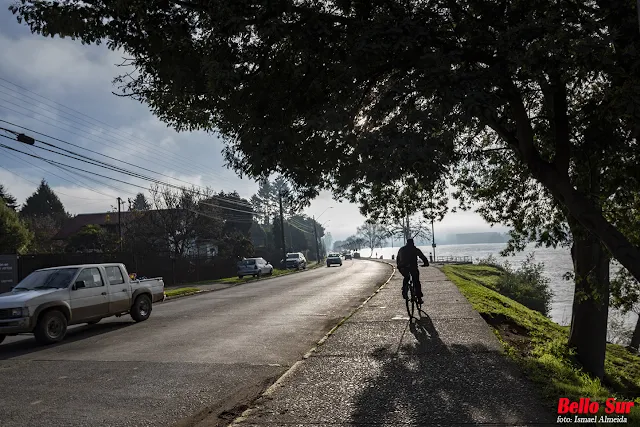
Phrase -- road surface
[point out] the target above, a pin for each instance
(197, 359)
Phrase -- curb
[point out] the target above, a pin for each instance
(272, 388)
(232, 285)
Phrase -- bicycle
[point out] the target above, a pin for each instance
(412, 301)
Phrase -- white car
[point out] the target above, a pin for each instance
(255, 267)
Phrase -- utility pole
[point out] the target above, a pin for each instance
(433, 241)
(284, 249)
(407, 231)
(315, 233)
(120, 222)
(129, 199)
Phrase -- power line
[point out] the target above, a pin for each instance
(58, 176)
(118, 180)
(99, 163)
(37, 183)
(87, 149)
(188, 162)
(110, 143)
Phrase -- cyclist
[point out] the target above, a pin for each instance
(407, 262)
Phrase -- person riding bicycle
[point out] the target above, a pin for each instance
(407, 262)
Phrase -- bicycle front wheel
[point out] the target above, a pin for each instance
(410, 301)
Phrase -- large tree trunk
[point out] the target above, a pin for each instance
(590, 302)
(635, 340)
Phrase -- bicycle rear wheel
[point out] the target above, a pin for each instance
(410, 301)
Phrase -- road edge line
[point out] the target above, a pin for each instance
(272, 388)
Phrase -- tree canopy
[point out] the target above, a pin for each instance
(14, 234)
(387, 95)
(9, 200)
(44, 203)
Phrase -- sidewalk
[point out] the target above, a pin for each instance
(444, 369)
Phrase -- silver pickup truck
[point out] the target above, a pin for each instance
(48, 300)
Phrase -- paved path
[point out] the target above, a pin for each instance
(195, 355)
(379, 369)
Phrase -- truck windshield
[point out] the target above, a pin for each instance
(47, 279)
(291, 256)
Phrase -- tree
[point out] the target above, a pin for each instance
(140, 203)
(178, 222)
(236, 212)
(14, 234)
(374, 84)
(373, 233)
(9, 200)
(44, 203)
(92, 238)
(43, 229)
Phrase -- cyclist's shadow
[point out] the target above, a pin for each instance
(425, 332)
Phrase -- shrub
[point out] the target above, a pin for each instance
(527, 285)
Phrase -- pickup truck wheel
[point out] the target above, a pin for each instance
(51, 327)
(141, 308)
(2, 337)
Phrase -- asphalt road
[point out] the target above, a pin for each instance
(197, 359)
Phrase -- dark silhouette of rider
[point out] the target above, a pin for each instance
(407, 262)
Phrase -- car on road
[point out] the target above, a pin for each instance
(255, 267)
(296, 260)
(356, 254)
(333, 259)
(49, 300)
(347, 256)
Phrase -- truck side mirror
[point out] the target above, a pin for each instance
(79, 285)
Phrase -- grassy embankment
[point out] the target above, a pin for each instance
(276, 272)
(192, 287)
(181, 291)
(538, 345)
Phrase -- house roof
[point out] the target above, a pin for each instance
(75, 224)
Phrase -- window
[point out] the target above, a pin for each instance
(293, 256)
(91, 276)
(114, 275)
(248, 262)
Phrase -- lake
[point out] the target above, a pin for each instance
(556, 263)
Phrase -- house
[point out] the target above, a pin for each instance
(108, 221)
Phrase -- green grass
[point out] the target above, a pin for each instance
(181, 291)
(539, 346)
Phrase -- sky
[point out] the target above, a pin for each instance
(63, 90)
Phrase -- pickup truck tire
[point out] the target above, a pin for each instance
(51, 327)
(141, 308)
(2, 337)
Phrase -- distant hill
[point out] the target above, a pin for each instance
(471, 238)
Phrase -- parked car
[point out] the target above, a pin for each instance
(255, 267)
(50, 299)
(347, 256)
(334, 259)
(356, 254)
(296, 260)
